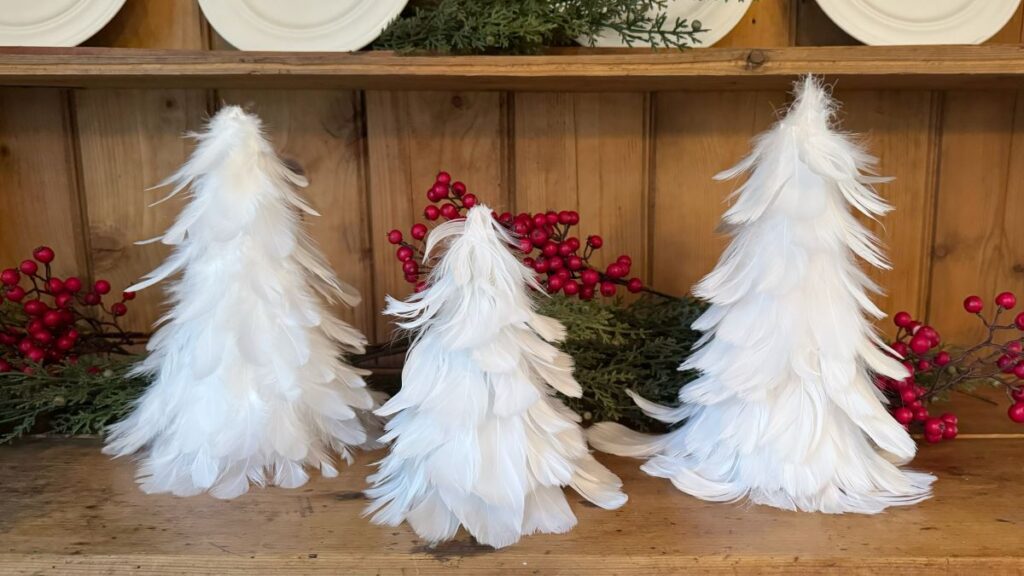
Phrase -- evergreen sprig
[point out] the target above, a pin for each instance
(528, 26)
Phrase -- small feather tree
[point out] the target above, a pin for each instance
(478, 438)
(786, 411)
(248, 385)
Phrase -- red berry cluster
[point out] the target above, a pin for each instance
(45, 319)
(934, 371)
(560, 259)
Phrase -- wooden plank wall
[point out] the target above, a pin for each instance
(75, 165)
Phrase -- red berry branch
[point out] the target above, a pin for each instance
(935, 371)
(562, 261)
(46, 320)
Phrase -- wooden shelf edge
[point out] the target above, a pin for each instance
(925, 67)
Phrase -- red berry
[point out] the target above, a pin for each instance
(1019, 321)
(624, 261)
(607, 289)
(574, 243)
(540, 220)
(52, 318)
(551, 217)
(1006, 300)
(42, 336)
(118, 309)
(590, 277)
(1017, 394)
(914, 327)
(920, 344)
(420, 287)
(101, 287)
(574, 218)
(520, 228)
(444, 178)
(28, 267)
(555, 263)
(1016, 412)
(933, 426)
(91, 299)
(950, 431)
(35, 355)
(902, 319)
(564, 218)
(908, 395)
(942, 358)
(541, 266)
(505, 218)
(923, 365)
(127, 295)
(635, 285)
(73, 284)
(458, 188)
(25, 345)
(431, 213)
(550, 249)
(4, 366)
(900, 348)
(525, 245)
(921, 414)
(64, 344)
(72, 333)
(933, 438)
(35, 307)
(574, 262)
(949, 418)
(587, 293)
(615, 271)
(55, 285)
(10, 276)
(1004, 363)
(404, 254)
(973, 304)
(930, 333)
(564, 249)
(555, 284)
(595, 241)
(539, 237)
(529, 262)
(15, 293)
(903, 415)
(43, 254)
(469, 200)
(395, 237)
(571, 288)
(1018, 370)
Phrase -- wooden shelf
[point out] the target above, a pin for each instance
(995, 66)
(67, 509)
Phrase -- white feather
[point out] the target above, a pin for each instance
(248, 386)
(477, 437)
(784, 412)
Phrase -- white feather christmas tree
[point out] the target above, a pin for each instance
(479, 440)
(248, 385)
(785, 411)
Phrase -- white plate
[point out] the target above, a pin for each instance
(717, 17)
(891, 22)
(53, 22)
(301, 25)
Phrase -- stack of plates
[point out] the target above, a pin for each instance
(890, 22)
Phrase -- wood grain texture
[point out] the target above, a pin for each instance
(67, 509)
(587, 152)
(411, 136)
(697, 135)
(900, 128)
(575, 70)
(321, 131)
(39, 201)
(767, 23)
(154, 24)
(130, 140)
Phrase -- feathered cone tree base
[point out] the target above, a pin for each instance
(785, 411)
(248, 386)
(479, 439)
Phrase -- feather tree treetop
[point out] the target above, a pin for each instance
(785, 410)
(478, 438)
(248, 385)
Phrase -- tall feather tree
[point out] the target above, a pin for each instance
(248, 384)
(785, 411)
(478, 437)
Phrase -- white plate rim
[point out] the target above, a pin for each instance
(733, 9)
(83, 20)
(252, 33)
(985, 21)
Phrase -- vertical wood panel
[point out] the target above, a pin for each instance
(321, 131)
(900, 128)
(696, 135)
(767, 23)
(38, 191)
(587, 152)
(413, 135)
(131, 139)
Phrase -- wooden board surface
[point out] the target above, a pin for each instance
(67, 509)
(570, 69)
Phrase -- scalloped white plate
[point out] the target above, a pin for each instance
(717, 18)
(895, 22)
(301, 25)
(53, 22)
